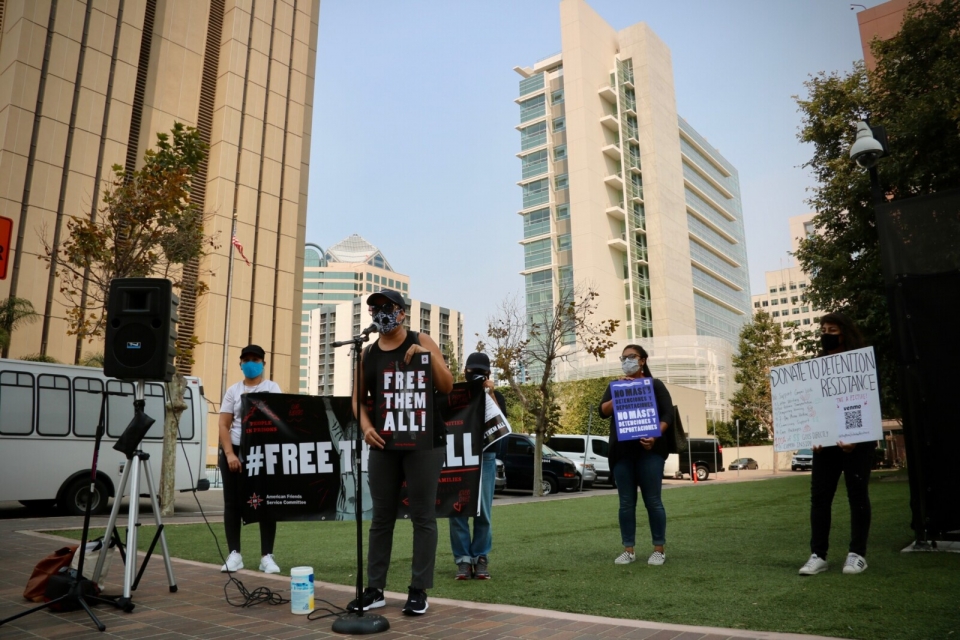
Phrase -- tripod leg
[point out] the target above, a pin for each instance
(112, 522)
(86, 607)
(29, 611)
(148, 472)
(133, 520)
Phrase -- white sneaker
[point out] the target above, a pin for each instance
(625, 558)
(268, 564)
(657, 558)
(234, 563)
(855, 564)
(813, 566)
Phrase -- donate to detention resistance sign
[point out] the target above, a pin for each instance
(635, 409)
(826, 400)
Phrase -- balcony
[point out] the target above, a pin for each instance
(608, 93)
(612, 151)
(617, 211)
(611, 122)
(614, 181)
(620, 244)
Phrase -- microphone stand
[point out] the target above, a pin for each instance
(358, 622)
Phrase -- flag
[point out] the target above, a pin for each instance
(239, 247)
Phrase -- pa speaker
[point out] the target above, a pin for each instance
(140, 336)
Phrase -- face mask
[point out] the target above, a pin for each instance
(830, 341)
(476, 376)
(252, 369)
(631, 366)
(386, 321)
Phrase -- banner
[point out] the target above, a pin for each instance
(826, 400)
(635, 409)
(404, 418)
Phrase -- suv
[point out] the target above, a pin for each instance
(802, 459)
(705, 453)
(516, 452)
(574, 447)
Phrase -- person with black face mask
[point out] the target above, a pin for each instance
(639, 463)
(231, 466)
(471, 556)
(838, 334)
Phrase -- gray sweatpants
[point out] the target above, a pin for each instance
(421, 470)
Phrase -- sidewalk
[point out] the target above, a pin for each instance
(199, 609)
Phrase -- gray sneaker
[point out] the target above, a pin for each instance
(481, 571)
(464, 571)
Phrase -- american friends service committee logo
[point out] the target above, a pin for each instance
(255, 501)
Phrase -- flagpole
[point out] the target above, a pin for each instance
(226, 321)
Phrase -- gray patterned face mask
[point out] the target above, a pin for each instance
(386, 321)
(630, 366)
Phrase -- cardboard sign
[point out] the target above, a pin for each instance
(826, 400)
(635, 409)
(403, 410)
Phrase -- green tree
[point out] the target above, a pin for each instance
(13, 313)
(529, 342)
(915, 94)
(578, 400)
(450, 355)
(760, 348)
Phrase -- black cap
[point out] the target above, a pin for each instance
(253, 350)
(477, 362)
(387, 295)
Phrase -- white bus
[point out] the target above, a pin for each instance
(48, 419)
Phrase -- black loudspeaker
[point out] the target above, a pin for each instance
(140, 337)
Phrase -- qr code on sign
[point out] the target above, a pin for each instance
(853, 420)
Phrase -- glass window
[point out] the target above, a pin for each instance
(304, 339)
(53, 405)
(806, 321)
(796, 311)
(533, 136)
(783, 301)
(520, 446)
(16, 403)
(559, 124)
(186, 418)
(600, 447)
(804, 309)
(533, 108)
(773, 289)
(803, 285)
(569, 445)
(562, 182)
(404, 286)
(536, 192)
(764, 303)
(560, 152)
(304, 350)
(774, 302)
(86, 405)
(534, 164)
(563, 211)
(563, 242)
(793, 285)
(369, 288)
(536, 223)
(794, 299)
(369, 276)
(756, 305)
(556, 97)
(537, 253)
(776, 314)
(783, 288)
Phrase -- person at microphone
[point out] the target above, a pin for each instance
(389, 469)
(471, 556)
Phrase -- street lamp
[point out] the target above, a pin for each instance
(867, 149)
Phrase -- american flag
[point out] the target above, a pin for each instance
(236, 243)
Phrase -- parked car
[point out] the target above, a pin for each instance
(704, 453)
(516, 450)
(671, 467)
(587, 471)
(577, 448)
(743, 463)
(500, 482)
(802, 459)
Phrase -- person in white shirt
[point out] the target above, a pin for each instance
(231, 466)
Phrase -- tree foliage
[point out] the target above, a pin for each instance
(13, 313)
(760, 348)
(529, 342)
(578, 400)
(915, 94)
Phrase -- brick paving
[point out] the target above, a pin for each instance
(199, 608)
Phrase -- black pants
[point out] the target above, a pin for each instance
(232, 506)
(421, 470)
(828, 464)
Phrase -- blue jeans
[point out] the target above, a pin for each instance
(647, 472)
(465, 550)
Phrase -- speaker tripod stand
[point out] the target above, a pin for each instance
(137, 461)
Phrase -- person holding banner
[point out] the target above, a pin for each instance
(639, 461)
(231, 466)
(388, 468)
(471, 555)
(838, 334)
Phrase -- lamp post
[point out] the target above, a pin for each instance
(867, 149)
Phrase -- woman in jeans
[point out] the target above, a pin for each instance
(838, 334)
(639, 463)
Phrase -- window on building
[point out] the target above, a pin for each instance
(560, 152)
(559, 124)
(794, 299)
(536, 253)
(776, 314)
(783, 301)
(764, 303)
(563, 211)
(562, 182)
(793, 285)
(783, 287)
(556, 97)
(536, 223)
(806, 321)
(756, 305)
(809, 228)
(563, 242)
(773, 289)
(774, 302)
(533, 108)
(404, 286)
(803, 285)
(536, 192)
(796, 311)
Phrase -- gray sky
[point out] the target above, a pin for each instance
(413, 132)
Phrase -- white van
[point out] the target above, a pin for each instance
(576, 448)
(48, 419)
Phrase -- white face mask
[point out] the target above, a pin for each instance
(630, 367)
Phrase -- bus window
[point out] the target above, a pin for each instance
(53, 405)
(154, 407)
(186, 418)
(119, 408)
(86, 405)
(16, 403)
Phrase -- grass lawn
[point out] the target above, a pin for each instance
(733, 552)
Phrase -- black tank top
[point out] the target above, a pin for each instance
(376, 360)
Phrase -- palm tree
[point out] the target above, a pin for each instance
(13, 313)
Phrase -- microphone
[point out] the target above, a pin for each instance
(371, 329)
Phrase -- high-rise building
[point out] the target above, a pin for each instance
(86, 84)
(336, 283)
(622, 195)
(882, 21)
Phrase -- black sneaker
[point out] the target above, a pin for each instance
(464, 571)
(372, 599)
(481, 571)
(416, 602)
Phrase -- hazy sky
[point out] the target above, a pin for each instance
(413, 129)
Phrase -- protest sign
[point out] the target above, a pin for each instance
(404, 415)
(635, 409)
(826, 400)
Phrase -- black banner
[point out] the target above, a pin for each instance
(404, 415)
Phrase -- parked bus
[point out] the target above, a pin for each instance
(48, 419)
